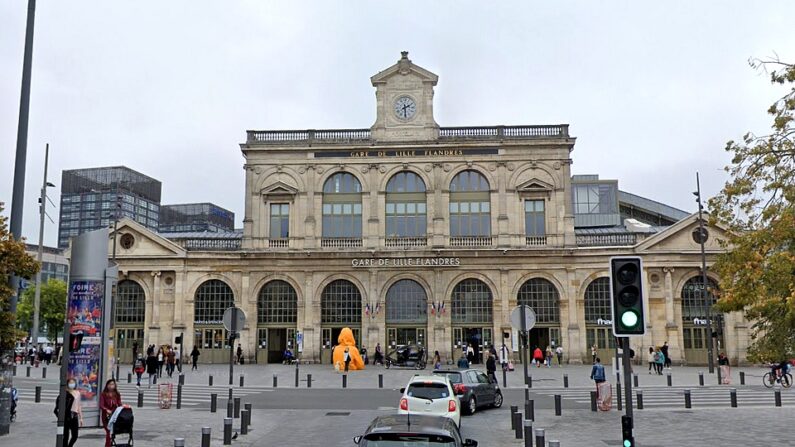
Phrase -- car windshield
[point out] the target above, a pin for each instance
(428, 390)
(455, 377)
(408, 440)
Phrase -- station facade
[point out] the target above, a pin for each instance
(412, 233)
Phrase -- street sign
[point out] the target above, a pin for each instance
(234, 319)
(529, 318)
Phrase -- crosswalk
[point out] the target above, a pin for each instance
(674, 397)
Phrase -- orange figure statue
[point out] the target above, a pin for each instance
(346, 343)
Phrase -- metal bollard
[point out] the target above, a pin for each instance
(211, 380)
(117, 376)
(179, 397)
(181, 379)
(44, 372)
(593, 400)
(227, 431)
(700, 378)
(528, 433)
(38, 394)
(275, 381)
(241, 381)
(309, 380)
(687, 399)
(777, 395)
(518, 430)
(27, 374)
(231, 393)
(720, 380)
(635, 380)
(247, 406)
(558, 405)
(296, 376)
(669, 379)
(243, 428)
(529, 381)
(237, 408)
(742, 377)
(540, 437)
(179, 442)
(15, 370)
(529, 409)
(514, 409)
(213, 402)
(206, 432)
(129, 377)
(380, 381)
(345, 381)
(733, 396)
(565, 380)
(230, 408)
(140, 399)
(639, 395)
(504, 378)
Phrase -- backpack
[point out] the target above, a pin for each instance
(657, 357)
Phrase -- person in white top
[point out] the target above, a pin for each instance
(504, 356)
(559, 353)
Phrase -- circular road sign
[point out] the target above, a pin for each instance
(234, 315)
(529, 318)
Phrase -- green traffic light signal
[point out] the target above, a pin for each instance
(629, 319)
(627, 443)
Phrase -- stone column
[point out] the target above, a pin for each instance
(154, 328)
(179, 299)
(309, 209)
(574, 351)
(502, 230)
(439, 212)
(372, 231)
(669, 297)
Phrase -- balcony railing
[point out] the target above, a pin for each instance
(535, 241)
(606, 240)
(471, 241)
(341, 242)
(405, 242)
(209, 244)
(279, 243)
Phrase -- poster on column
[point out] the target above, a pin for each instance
(85, 315)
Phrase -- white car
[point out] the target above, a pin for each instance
(430, 395)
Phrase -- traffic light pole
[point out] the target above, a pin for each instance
(626, 361)
(704, 295)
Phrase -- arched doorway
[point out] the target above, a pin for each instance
(340, 306)
(406, 314)
(695, 306)
(542, 296)
(212, 298)
(277, 313)
(129, 312)
(598, 323)
(472, 317)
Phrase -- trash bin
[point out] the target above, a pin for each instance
(164, 393)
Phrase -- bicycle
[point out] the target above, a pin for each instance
(785, 379)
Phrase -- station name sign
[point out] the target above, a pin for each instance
(406, 153)
(405, 262)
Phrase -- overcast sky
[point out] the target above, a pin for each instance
(168, 88)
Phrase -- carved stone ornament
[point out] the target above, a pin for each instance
(320, 169)
(493, 167)
(301, 169)
(447, 167)
(279, 168)
(428, 168)
(365, 169)
(469, 163)
(258, 169)
(556, 165)
(510, 166)
(382, 169)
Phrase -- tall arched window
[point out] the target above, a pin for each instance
(695, 303)
(597, 301)
(542, 296)
(341, 303)
(470, 206)
(405, 206)
(406, 302)
(212, 298)
(471, 302)
(277, 303)
(342, 206)
(130, 303)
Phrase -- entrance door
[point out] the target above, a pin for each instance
(695, 339)
(277, 343)
(213, 344)
(480, 338)
(125, 339)
(605, 343)
(262, 345)
(329, 337)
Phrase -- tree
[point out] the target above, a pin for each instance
(13, 259)
(758, 205)
(52, 307)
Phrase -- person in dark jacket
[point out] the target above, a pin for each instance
(667, 361)
(74, 413)
(463, 363)
(598, 373)
(194, 357)
(151, 369)
(491, 366)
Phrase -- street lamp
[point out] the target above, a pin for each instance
(42, 213)
(702, 237)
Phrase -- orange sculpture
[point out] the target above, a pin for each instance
(347, 342)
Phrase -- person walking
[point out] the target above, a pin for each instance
(151, 369)
(725, 369)
(664, 350)
(379, 357)
(559, 353)
(170, 362)
(659, 359)
(491, 368)
(598, 373)
(239, 353)
(134, 353)
(463, 363)
(139, 366)
(549, 356)
(194, 358)
(178, 358)
(346, 356)
(650, 358)
(593, 354)
(504, 357)
(437, 360)
(74, 413)
(538, 357)
(109, 400)
(470, 354)
(161, 360)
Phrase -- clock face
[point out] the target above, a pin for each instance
(405, 108)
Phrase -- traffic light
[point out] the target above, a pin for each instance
(626, 431)
(75, 341)
(178, 340)
(627, 296)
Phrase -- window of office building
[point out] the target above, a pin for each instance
(130, 302)
(213, 297)
(534, 218)
(471, 302)
(542, 296)
(595, 199)
(280, 220)
(470, 206)
(341, 303)
(277, 303)
(406, 302)
(342, 206)
(405, 206)
(696, 304)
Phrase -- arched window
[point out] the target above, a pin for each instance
(277, 303)
(472, 302)
(597, 301)
(406, 302)
(213, 297)
(342, 206)
(695, 304)
(341, 303)
(542, 296)
(470, 206)
(405, 206)
(130, 303)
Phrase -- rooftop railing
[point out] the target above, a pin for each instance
(606, 240)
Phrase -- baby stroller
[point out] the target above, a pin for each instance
(14, 400)
(121, 422)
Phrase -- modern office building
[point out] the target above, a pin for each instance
(54, 265)
(90, 197)
(195, 217)
(410, 232)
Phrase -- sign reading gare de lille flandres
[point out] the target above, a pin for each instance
(405, 262)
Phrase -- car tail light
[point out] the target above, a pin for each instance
(404, 404)
(460, 388)
(450, 406)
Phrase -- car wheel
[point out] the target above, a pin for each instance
(472, 406)
(497, 400)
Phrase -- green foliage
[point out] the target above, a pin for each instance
(52, 308)
(758, 205)
(13, 259)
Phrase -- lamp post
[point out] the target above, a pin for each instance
(702, 237)
(42, 213)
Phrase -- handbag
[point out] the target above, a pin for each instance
(510, 366)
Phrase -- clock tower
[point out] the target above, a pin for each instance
(404, 103)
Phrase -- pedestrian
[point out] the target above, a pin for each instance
(150, 350)
(134, 352)
(239, 353)
(379, 357)
(74, 413)
(470, 354)
(549, 356)
(109, 400)
(664, 350)
(559, 353)
(659, 359)
(178, 358)
(170, 362)
(538, 357)
(151, 369)
(725, 369)
(161, 360)
(194, 357)
(139, 366)
(650, 358)
(504, 357)
(48, 354)
(437, 360)
(593, 353)
(491, 368)
(463, 363)
(597, 373)
(346, 356)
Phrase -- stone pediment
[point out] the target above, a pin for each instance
(679, 238)
(534, 185)
(135, 240)
(278, 189)
(404, 67)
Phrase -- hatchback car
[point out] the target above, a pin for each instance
(473, 388)
(430, 395)
(405, 430)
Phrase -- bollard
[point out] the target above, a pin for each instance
(518, 421)
(777, 395)
(179, 442)
(181, 379)
(140, 399)
(529, 381)
(230, 393)
(38, 394)
(529, 410)
(309, 380)
(44, 372)
(27, 374)
(237, 408)
(687, 399)
(742, 377)
(593, 400)
(229, 408)
(241, 381)
(227, 431)
(565, 380)
(117, 376)
(247, 406)
(669, 379)
(514, 409)
(700, 378)
(129, 377)
(206, 432)
(380, 381)
(345, 381)
(720, 380)
(733, 396)
(243, 428)
(528, 433)
(526, 393)
(505, 378)
(179, 397)
(540, 437)
(639, 395)
(211, 380)
(275, 381)
(15, 370)
(635, 380)
(296, 376)
(213, 402)
(558, 405)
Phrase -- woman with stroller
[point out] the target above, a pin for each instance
(74, 413)
(109, 400)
